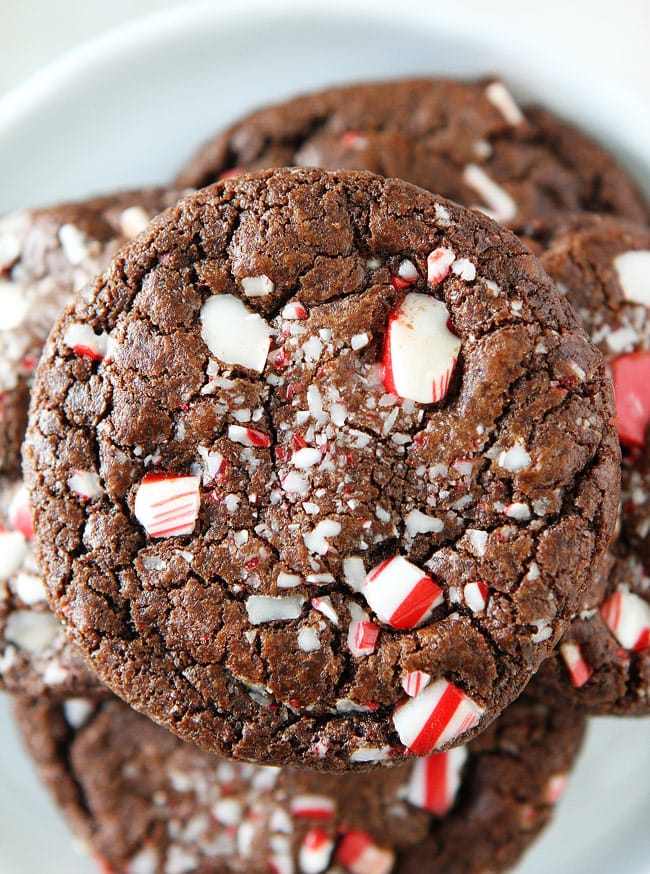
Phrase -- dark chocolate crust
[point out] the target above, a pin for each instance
(143, 802)
(185, 627)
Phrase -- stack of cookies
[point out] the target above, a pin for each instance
(322, 481)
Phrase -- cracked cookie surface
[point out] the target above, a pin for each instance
(603, 663)
(468, 141)
(290, 537)
(140, 800)
(46, 256)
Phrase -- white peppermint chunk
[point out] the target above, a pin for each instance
(358, 341)
(133, 221)
(13, 305)
(77, 711)
(308, 640)
(478, 541)
(266, 608)
(421, 351)
(30, 631)
(257, 286)
(354, 572)
(10, 249)
(75, 244)
(233, 333)
(316, 540)
(499, 96)
(419, 523)
(212, 462)
(294, 483)
(633, 269)
(288, 581)
(514, 459)
(518, 510)
(494, 196)
(370, 754)
(306, 458)
(464, 268)
(13, 551)
(30, 589)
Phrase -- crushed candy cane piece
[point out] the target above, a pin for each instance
(439, 714)
(167, 504)
(359, 854)
(86, 484)
(248, 436)
(628, 618)
(414, 682)
(315, 852)
(267, 608)
(312, 806)
(401, 594)
(435, 781)
(420, 350)
(85, 342)
(233, 333)
(631, 375)
(439, 263)
(578, 668)
(257, 286)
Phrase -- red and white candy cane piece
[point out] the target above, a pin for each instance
(414, 682)
(20, 514)
(315, 852)
(420, 351)
(556, 787)
(248, 436)
(167, 504)
(438, 264)
(439, 714)
(631, 375)
(235, 334)
(435, 781)
(85, 483)
(407, 274)
(578, 668)
(85, 342)
(324, 605)
(476, 596)
(628, 617)
(313, 806)
(359, 854)
(294, 310)
(362, 633)
(400, 593)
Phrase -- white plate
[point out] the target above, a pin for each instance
(128, 109)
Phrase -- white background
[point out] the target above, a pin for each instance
(611, 37)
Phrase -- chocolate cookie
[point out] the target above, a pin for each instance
(603, 664)
(144, 802)
(325, 480)
(45, 256)
(36, 658)
(468, 141)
